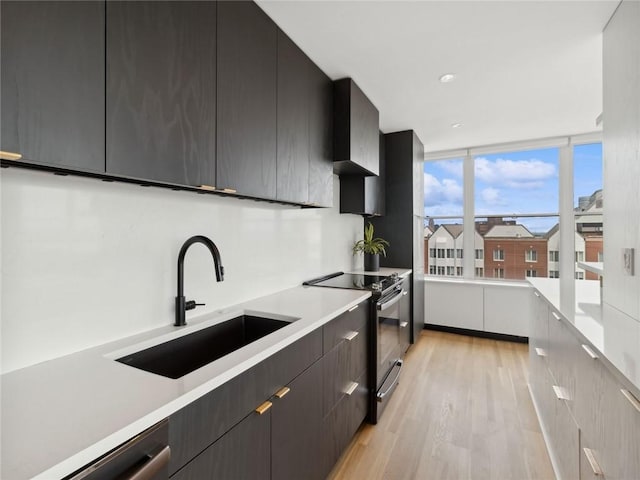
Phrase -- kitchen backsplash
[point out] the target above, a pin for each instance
(85, 262)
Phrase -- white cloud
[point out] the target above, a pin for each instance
(453, 167)
(437, 191)
(491, 196)
(526, 174)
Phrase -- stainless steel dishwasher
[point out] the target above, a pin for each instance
(144, 457)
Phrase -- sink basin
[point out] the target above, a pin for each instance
(185, 354)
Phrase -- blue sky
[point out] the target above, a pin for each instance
(517, 182)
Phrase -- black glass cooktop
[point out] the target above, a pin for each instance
(350, 281)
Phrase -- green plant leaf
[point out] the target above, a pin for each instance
(369, 244)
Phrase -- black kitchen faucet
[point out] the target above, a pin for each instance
(182, 305)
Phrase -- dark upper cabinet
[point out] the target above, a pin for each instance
(246, 120)
(364, 195)
(356, 127)
(320, 138)
(52, 82)
(161, 91)
(293, 122)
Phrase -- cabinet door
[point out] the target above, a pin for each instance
(161, 91)
(293, 122)
(242, 453)
(246, 114)
(320, 137)
(53, 82)
(296, 440)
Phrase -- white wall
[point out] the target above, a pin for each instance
(85, 261)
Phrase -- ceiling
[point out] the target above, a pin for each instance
(525, 70)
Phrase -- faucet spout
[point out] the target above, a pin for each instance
(182, 305)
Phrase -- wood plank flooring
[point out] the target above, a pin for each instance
(461, 411)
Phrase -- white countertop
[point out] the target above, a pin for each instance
(610, 332)
(59, 415)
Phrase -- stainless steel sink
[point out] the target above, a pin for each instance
(185, 354)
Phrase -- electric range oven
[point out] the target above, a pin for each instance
(388, 320)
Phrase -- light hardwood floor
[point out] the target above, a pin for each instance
(461, 411)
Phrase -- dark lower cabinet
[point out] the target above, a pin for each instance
(242, 453)
(161, 91)
(293, 122)
(246, 100)
(52, 82)
(296, 423)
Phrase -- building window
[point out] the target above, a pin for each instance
(498, 273)
(554, 274)
(479, 254)
(498, 255)
(450, 252)
(579, 275)
(432, 269)
(531, 273)
(440, 270)
(600, 256)
(459, 271)
(554, 256)
(450, 270)
(458, 253)
(579, 256)
(479, 270)
(440, 252)
(531, 256)
(432, 253)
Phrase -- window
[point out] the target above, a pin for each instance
(450, 252)
(579, 275)
(440, 252)
(554, 256)
(498, 273)
(479, 254)
(459, 271)
(432, 253)
(432, 269)
(554, 274)
(440, 270)
(458, 253)
(600, 257)
(579, 256)
(449, 270)
(479, 271)
(531, 273)
(498, 255)
(530, 256)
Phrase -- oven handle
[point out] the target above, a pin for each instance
(381, 395)
(395, 299)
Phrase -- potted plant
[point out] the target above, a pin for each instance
(372, 248)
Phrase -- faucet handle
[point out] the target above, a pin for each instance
(191, 304)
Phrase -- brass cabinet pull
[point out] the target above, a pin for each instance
(350, 336)
(540, 352)
(206, 187)
(10, 155)
(282, 392)
(229, 190)
(589, 351)
(597, 471)
(353, 308)
(351, 388)
(536, 294)
(264, 407)
(631, 397)
(560, 393)
(555, 315)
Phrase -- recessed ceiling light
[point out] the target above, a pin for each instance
(447, 78)
(456, 125)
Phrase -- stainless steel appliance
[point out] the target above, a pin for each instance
(389, 314)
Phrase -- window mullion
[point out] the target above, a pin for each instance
(469, 227)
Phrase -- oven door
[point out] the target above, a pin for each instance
(388, 319)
